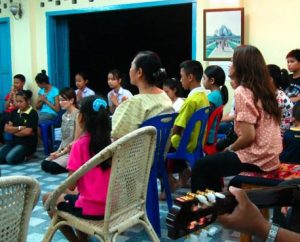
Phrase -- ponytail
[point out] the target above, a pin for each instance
(224, 92)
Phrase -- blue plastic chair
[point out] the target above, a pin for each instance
(163, 124)
(47, 131)
(182, 152)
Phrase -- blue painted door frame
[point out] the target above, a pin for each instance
(5, 60)
(58, 35)
(58, 52)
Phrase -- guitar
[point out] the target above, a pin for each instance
(197, 210)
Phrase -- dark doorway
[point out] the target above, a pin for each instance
(103, 41)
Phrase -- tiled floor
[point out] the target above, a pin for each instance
(40, 221)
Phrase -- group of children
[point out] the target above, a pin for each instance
(87, 130)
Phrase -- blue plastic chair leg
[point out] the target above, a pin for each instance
(44, 134)
(152, 203)
(165, 182)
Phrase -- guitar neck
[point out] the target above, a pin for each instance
(187, 216)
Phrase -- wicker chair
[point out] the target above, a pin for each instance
(132, 157)
(18, 196)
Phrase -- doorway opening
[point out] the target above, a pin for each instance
(105, 40)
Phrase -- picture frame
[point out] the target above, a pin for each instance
(223, 32)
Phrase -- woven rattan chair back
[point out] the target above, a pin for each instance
(18, 196)
(132, 157)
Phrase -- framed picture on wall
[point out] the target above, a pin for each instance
(223, 32)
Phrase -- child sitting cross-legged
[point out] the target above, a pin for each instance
(92, 187)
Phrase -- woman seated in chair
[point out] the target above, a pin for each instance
(22, 125)
(57, 161)
(92, 187)
(146, 72)
(47, 102)
(256, 122)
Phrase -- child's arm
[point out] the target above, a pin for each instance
(295, 99)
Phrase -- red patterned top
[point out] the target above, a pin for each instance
(264, 151)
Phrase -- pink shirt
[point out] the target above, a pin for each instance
(93, 185)
(264, 151)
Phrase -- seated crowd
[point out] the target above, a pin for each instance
(265, 121)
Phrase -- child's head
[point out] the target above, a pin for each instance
(23, 99)
(81, 80)
(214, 77)
(172, 88)
(279, 77)
(94, 119)
(296, 112)
(42, 79)
(67, 98)
(114, 79)
(293, 60)
(147, 66)
(19, 82)
(190, 71)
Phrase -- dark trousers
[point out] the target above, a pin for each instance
(291, 221)
(208, 171)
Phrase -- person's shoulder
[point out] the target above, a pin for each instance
(55, 90)
(243, 91)
(82, 140)
(90, 91)
(126, 92)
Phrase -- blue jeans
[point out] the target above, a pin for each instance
(13, 154)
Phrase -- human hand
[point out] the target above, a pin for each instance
(124, 98)
(53, 156)
(284, 210)
(114, 99)
(79, 95)
(42, 98)
(246, 217)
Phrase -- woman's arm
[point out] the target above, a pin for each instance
(246, 137)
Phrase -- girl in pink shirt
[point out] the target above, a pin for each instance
(92, 187)
(256, 123)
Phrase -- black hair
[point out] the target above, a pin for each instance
(296, 112)
(193, 67)
(98, 125)
(26, 94)
(280, 76)
(118, 75)
(83, 75)
(174, 84)
(294, 54)
(151, 65)
(218, 74)
(42, 78)
(20, 77)
(68, 93)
